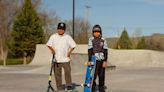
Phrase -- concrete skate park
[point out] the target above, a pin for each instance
(136, 71)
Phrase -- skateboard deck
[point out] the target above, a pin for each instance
(90, 70)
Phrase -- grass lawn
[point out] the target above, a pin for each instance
(13, 61)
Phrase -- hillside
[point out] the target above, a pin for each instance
(153, 42)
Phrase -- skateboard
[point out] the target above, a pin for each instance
(90, 75)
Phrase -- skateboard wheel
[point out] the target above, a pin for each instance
(92, 63)
(88, 85)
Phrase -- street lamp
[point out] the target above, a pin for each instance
(87, 7)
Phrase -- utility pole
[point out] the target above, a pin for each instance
(73, 23)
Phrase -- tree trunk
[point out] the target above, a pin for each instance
(5, 54)
(1, 52)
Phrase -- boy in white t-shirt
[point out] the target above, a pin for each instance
(62, 45)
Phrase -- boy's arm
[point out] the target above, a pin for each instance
(90, 53)
(105, 55)
(72, 45)
(70, 51)
(105, 51)
(50, 44)
(90, 49)
(52, 50)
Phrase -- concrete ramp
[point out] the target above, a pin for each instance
(115, 57)
(136, 58)
(42, 55)
(43, 58)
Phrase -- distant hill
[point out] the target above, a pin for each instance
(153, 42)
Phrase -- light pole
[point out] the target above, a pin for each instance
(87, 7)
(73, 23)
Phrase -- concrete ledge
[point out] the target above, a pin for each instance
(115, 57)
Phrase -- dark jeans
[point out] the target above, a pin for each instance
(100, 72)
(58, 74)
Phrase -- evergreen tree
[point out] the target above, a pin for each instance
(124, 41)
(141, 44)
(27, 31)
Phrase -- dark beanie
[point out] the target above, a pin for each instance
(97, 28)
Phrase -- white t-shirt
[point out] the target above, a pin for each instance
(61, 45)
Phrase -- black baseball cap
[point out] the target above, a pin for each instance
(62, 26)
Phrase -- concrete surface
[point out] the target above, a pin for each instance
(136, 71)
(123, 79)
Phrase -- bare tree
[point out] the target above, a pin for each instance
(8, 10)
(137, 34)
(49, 21)
(81, 30)
(37, 3)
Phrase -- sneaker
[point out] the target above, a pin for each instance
(60, 88)
(102, 88)
(70, 87)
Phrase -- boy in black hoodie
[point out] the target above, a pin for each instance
(98, 46)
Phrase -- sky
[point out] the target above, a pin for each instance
(115, 15)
